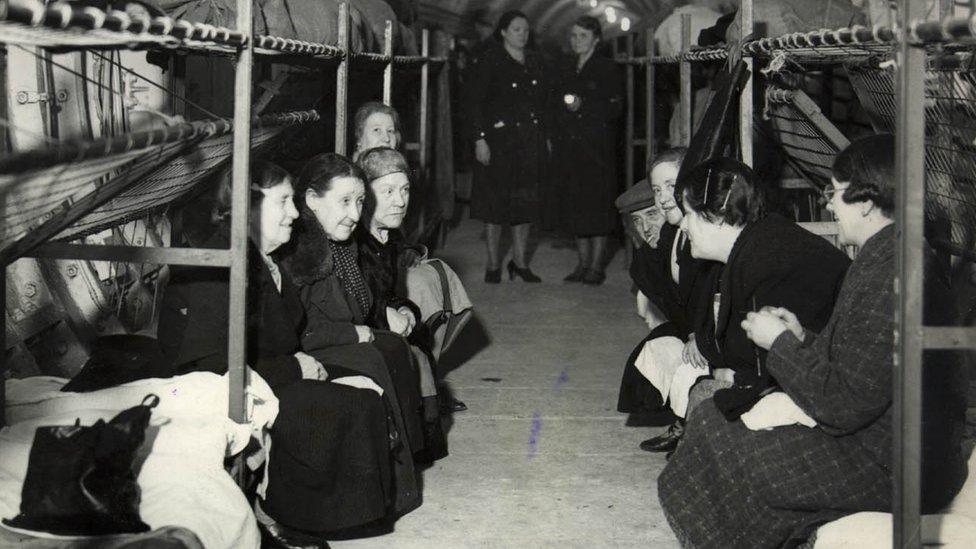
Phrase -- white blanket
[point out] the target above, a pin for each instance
(660, 362)
(182, 477)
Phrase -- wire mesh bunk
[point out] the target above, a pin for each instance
(154, 167)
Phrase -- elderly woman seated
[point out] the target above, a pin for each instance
(758, 259)
(821, 447)
(324, 263)
(381, 258)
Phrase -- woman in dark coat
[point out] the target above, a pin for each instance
(587, 101)
(768, 261)
(507, 101)
(766, 481)
(383, 254)
(323, 261)
(329, 466)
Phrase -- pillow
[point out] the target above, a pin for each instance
(118, 359)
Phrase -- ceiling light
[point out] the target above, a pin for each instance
(611, 14)
(625, 24)
(594, 3)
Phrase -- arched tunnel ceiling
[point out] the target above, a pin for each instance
(550, 19)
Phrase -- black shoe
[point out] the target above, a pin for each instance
(575, 276)
(453, 405)
(493, 276)
(593, 277)
(651, 418)
(525, 273)
(276, 536)
(666, 442)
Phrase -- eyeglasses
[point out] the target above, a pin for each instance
(829, 191)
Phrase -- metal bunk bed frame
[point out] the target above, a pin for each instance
(115, 29)
(909, 36)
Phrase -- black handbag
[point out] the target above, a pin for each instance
(80, 480)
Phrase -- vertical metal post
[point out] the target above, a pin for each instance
(745, 101)
(649, 95)
(342, 80)
(910, 214)
(424, 98)
(237, 327)
(3, 350)
(388, 70)
(629, 121)
(684, 103)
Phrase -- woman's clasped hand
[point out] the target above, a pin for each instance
(765, 326)
(311, 368)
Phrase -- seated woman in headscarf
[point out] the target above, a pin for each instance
(430, 284)
(381, 258)
(767, 260)
(323, 261)
(329, 464)
(821, 448)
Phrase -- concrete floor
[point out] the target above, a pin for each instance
(541, 458)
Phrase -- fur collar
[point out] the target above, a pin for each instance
(308, 257)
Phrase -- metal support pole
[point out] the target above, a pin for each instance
(342, 80)
(388, 70)
(684, 103)
(3, 350)
(240, 203)
(424, 99)
(629, 121)
(910, 215)
(649, 95)
(746, 101)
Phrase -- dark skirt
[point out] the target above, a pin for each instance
(506, 191)
(387, 361)
(582, 186)
(729, 487)
(329, 466)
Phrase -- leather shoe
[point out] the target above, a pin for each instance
(576, 275)
(453, 405)
(277, 536)
(666, 442)
(592, 277)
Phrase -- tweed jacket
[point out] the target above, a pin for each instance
(843, 376)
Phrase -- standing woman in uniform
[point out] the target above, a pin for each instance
(507, 99)
(587, 103)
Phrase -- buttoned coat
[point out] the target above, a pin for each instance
(507, 103)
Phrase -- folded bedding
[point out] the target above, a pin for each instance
(180, 467)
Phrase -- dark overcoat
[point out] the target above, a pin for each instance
(582, 182)
(330, 336)
(728, 486)
(507, 103)
(330, 446)
(774, 262)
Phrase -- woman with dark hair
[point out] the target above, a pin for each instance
(507, 101)
(768, 261)
(375, 125)
(821, 448)
(323, 260)
(330, 446)
(583, 178)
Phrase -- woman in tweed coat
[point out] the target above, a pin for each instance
(821, 449)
